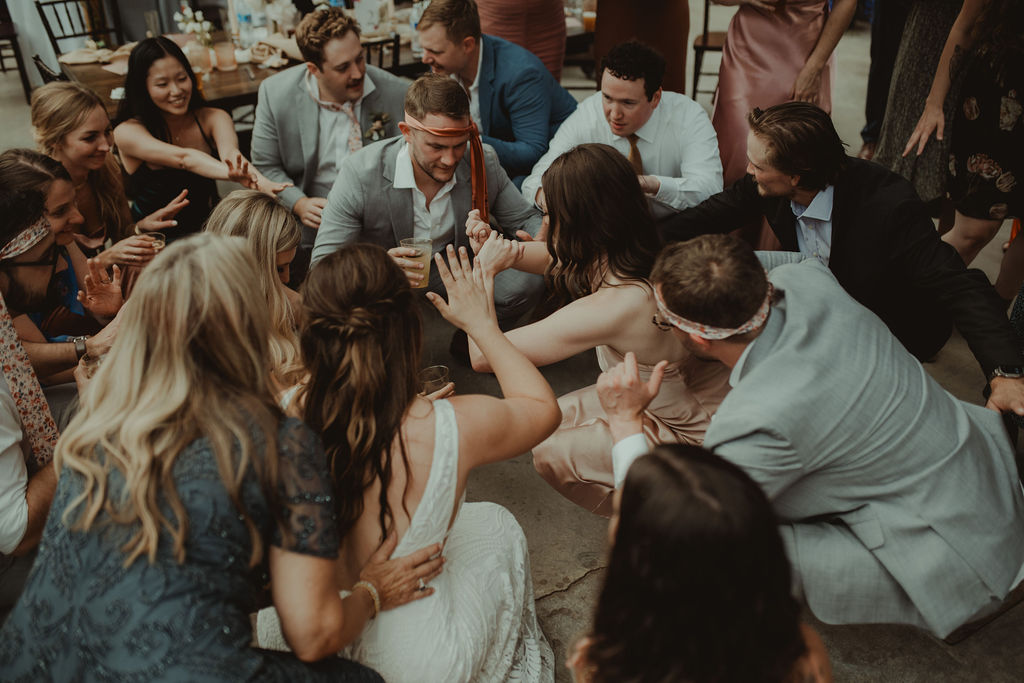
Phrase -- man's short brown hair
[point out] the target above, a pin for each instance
(715, 280)
(800, 139)
(460, 18)
(318, 28)
(436, 94)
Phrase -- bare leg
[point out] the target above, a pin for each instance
(1011, 271)
(970, 235)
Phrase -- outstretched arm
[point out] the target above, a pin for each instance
(808, 82)
(957, 43)
(492, 429)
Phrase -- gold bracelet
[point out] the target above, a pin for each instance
(374, 595)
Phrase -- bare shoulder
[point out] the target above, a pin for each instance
(213, 115)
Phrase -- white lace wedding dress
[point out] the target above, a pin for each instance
(480, 624)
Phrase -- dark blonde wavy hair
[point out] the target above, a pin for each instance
(600, 222)
(360, 339)
(57, 110)
(190, 361)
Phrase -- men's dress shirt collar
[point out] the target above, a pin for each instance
(648, 131)
(475, 85)
(820, 208)
(405, 178)
(313, 88)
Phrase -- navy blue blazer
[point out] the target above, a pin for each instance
(521, 104)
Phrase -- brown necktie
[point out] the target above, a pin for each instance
(634, 155)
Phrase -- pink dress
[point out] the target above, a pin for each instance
(537, 25)
(764, 52)
(577, 459)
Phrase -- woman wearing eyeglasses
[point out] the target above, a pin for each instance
(599, 252)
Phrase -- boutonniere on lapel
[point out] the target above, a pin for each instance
(378, 120)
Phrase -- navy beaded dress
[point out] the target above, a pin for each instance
(85, 616)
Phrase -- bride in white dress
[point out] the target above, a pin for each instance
(400, 461)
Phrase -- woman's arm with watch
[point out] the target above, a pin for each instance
(49, 359)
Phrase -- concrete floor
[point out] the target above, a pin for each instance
(568, 545)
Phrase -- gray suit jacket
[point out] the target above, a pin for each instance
(286, 132)
(861, 451)
(364, 206)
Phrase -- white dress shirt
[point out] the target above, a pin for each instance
(678, 146)
(436, 221)
(13, 475)
(332, 141)
(814, 226)
(474, 91)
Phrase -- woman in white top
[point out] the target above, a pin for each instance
(399, 463)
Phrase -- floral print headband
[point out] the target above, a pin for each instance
(709, 332)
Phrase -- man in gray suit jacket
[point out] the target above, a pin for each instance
(419, 185)
(310, 117)
(897, 502)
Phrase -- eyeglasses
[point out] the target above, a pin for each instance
(49, 259)
(660, 324)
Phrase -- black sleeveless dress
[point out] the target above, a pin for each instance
(151, 189)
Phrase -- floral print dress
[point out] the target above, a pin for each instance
(987, 160)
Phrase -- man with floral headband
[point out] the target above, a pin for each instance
(897, 502)
(424, 184)
(27, 429)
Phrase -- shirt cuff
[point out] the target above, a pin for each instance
(624, 453)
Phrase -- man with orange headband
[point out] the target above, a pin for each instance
(424, 184)
(897, 502)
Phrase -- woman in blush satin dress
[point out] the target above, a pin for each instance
(537, 25)
(775, 51)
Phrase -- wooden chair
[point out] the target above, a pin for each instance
(707, 41)
(46, 73)
(99, 20)
(382, 46)
(9, 48)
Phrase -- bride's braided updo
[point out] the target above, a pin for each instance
(360, 340)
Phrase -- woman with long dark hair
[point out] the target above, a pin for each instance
(399, 464)
(598, 257)
(169, 140)
(698, 584)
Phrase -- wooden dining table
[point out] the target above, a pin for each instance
(224, 89)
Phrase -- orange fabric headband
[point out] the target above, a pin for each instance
(478, 167)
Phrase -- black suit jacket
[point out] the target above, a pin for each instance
(885, 253)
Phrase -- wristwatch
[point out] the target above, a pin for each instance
(1007, 371)
(79, 343)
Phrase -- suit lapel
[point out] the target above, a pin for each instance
(486, 91)
(399, 201)
(309, 128)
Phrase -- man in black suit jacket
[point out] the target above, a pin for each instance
(872, 231)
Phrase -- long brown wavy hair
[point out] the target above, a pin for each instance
(58, 109)
(360, 339)
(190, 361)
(601, 225)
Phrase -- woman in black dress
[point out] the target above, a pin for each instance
(169, 140)
(183, 493)
(987, 147)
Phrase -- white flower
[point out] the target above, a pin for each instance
(187, 11)
(178, 18)
(199, 15)
(207, 26)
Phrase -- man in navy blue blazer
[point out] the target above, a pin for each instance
(514, 100)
